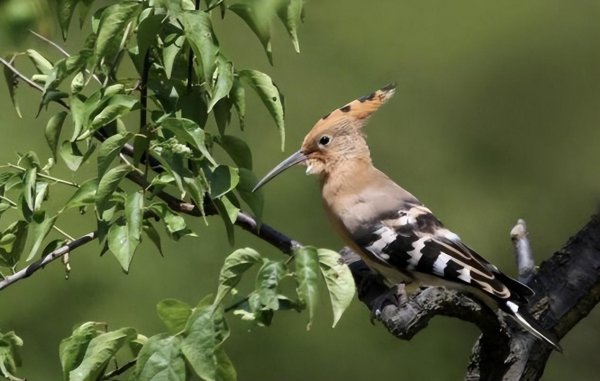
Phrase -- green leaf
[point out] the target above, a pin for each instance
(41, 64)
(4, 206)
(29, 187)
(174, 223)
(269, 94)
(267, 281)
(222, 180)
(123, 240)
(84, 8)
(199, 33)
(228, 213)
(30, 160)
(339, 281)
(237, 149)
(10, 357)
(148, 29)
(72, 155)
(116, 106)
(111, 28)
(187, 131)
(12, 82)
(174, 313)
(237, 95)
(257, 15)
(307, 276)
(202, 346)
(38, 230)
(151, 232)
(85, 195)
(109, 149)
(160, 359)
(12, 243)
(65, 10)
(108, 185)
(224, 82)
(53, 129)
(222, 114)
(290, 13)
(100, 351)
(41, 193)
(254, 200)
(236, 264)
(52, 246)
(72, 349)
(172, 48)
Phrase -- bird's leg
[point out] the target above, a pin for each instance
(395, 295)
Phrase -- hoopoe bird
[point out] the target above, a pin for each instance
(393, 232)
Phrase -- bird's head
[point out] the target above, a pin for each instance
(335, 138)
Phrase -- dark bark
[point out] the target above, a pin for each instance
(567, 287)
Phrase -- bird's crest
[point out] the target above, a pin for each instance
(357, 112)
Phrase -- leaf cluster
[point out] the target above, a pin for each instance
(154, 130)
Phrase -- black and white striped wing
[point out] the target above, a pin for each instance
(415, 242)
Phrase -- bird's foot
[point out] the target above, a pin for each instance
(396, 296)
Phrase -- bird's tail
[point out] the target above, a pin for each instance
(531, 325)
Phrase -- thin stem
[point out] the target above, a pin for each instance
(236, 304)
(58, 47)
(144, 107)
(29, 81)
(47, 177)
(120, 370)
(21, 75)
(64, 233)
(11, 202)
(119, 53)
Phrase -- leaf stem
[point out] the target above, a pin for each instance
(11, 202)
(120, 370)
(64, 233)
(47, 177)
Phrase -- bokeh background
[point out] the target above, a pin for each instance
(496, 118)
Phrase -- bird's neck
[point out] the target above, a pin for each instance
(349, 178)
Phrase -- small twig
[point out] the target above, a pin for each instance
(120, 370)
(525, 261)
(144, 107)
(236, 304)
(48, 41)
(11, 202)
(44, 176)
(39, 264)
(64, 233)
(21, 75)
(119, 53)
(29, 81)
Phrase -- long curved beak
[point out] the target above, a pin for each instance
(296, 158)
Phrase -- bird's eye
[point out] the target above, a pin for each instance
(324, 140)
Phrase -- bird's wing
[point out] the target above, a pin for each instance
(415, 240)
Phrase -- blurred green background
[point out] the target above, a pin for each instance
(496, 118)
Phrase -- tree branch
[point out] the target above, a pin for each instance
(567, 287)
(39, 264)
(525, 261)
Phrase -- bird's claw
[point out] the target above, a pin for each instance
(396, 296)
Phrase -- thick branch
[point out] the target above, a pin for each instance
(567, 287)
